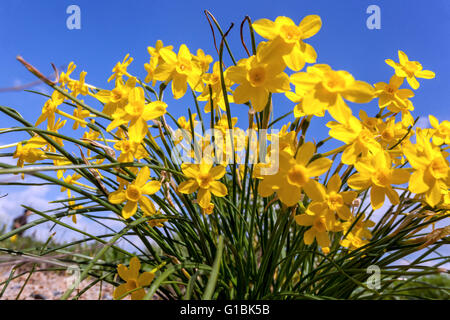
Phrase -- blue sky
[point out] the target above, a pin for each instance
(111, 29)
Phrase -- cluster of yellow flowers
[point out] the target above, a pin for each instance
(376, 149)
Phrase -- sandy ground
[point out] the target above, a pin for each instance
(49, 286)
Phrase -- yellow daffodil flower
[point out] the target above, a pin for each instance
(134, 281)
(294, 174)
(155, 60)
(441, 133)
(178, 68)
(258, 76)
(120, 69)
(287, 38)
(135, 194)
(203, 177)
(324, 88)
(377, 173)
(409, 70)
(431, 169)
(137, 112)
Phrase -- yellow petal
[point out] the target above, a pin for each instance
(358, 181)
(305, 153)
(179, 86)
(344, 213)
(147, 206)
(377, 197)
(123, 272)
(143, 176)
(426, 74)
(120, 291)
(304, 219)
(314, 190)
(151, 187)
(322, 239)
(359, 92)
(135, 266)
(146, 278)
(334, 184)
(310, 25)
(319, 166)
(218, 189)
(204, 198)
(117, 197)
(188, 187)
(138, 294)
(265, 28)
(217, 172)
(289, 194)
(417, 183)
(434, 195)
(309, 236)
(129, 209)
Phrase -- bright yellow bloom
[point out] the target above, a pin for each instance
(321, 221)
(178, 68)
(359, 139)
(116, 98)
(431, 169)
(324, 88)
(331, 199)
(294, 174)
(203, 177)
(130, 150)
(441, 133)
(64, 77)
(120, 69)
(395, 99)
(135, 194)
(78, 86)
(409, 70)
(377, 173)
(155, 60)
(80, 113)
(133, 280)
(287, 38)
(213, 80)
(258, 76)
(202, 60)
(137, 112)
(30, 152)
(50, 108)
(359, 234)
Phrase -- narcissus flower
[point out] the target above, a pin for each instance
(395, 99)
(377, 173)
(134, 194)
(203, 177)
(137, 112)
(331, 199)
(324, 88)
(155, 60)
(31, 151)
(178, 68)
(360, 140)
(441, 132)
(134, 281)
(258, 76)
(359, 235)
(320, 221)
(287, 38)
(116, 98)
(120, 69)
(431, 169)
(409, 70)
(294, 174)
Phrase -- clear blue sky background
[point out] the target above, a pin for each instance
(110, 29)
